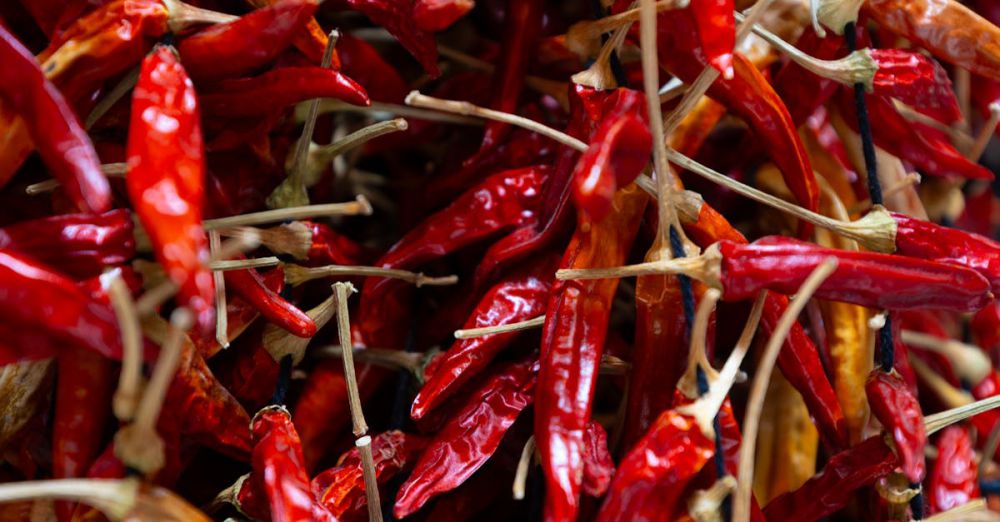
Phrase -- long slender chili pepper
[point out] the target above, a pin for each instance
(518, 297)
(576, 323)
(897, 409)
(278, 89)
(240, 47)
(954, 479)
(250, 286)
(80, 245)
(926, 240)
(449, 459)
(311, 42)
(53, 127)
(166, 177)
(716, 28)
(397, 18)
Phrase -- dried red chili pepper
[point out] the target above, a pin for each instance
(244, 45)
(915, 80)
(469, 438)
(716, 28)
(954, 480)
(803, 91)
(897, 409)
(598, 466)
(521, 296)
(437, 15)
(53, 127)
(985, 326)
(831, 489)
(311, 42)
(80, 245)
(166, 178)
(329, 247)
(278, 89)
(397, 18)
(926, 240)
(361, 61)
(250, 286)
(279, 468)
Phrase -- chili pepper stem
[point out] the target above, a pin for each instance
(989, 449)
(221, 316)
(412, 362)
(705, 504)
(948, 394)
(583, 37)
(115, 170)
(294, 239)
(278, 342)
(126, 396)
(758, 390)
(836, 14)
(470, 333)
(969, 362)
(318, 158)
(364, 445)
(697, 355)
(296, 275)
(115, 498)
(183, 16)
(946, 418)
(985, 133)
(910, 180)
(599, 75)
(523, 466)
(380, 109)
(360, 206)
(705, 268)
(241, 264)
(966, 511)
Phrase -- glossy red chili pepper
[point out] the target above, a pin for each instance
(915, 80)
(469, 438)
(598, 466)
(716, 28)
(250, 286)
(80, 245)
(437, 15)
(954, 480)
(329, 247)
(279, 468)
(342, 488)
(831, 489)
(926, 240)
(521, 296)
(902, 138)
(243, 46)
(240, 314)
(53, 127)
(397, 18)
(897, 409)
(166, 178)
(576, 322)
(278, 89)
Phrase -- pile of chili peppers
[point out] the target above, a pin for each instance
(499, 259)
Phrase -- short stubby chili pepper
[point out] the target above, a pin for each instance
(831, 489)
(926, 240)
(469, 438)
(397, 18)
(279, 468)
(244, 45)
(80, 245)
(915, 80)
(897, 409)
(166, 178)
(902, 138)
(954, 479)
(518, 297)
(277, 89)
(53, 127)
(250, 286)
(716, 26)
(437, 15)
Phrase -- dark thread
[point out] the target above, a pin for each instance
(917, 503)
(864, 126)
(616, 64)
(989, 487)
(687, 292)
(886, 346)
(284, 378)
(131, 472)
(401, 399)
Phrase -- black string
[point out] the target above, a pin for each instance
(616, 65)
(864, 125)
(687, 292)
(917, 503)
(284, 378)
(886, 346)
(989, 487)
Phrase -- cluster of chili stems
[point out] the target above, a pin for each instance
(125, 290)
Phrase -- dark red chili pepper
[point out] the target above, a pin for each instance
(985, 326)
(716, 28)
(311, 42)
(251, 372)
(954, 480)
(521, 296)
(362, 62)
(926, 240)
(80, 245)
(437, 15)
(897, 409)
(250, 286)
(329, 247)
(279, 468)
(279, 88)
(902, 138)
(915, 80)
(397, 18)
(53, 127)
(598, 466)
(803, 91)
(244, 45)
(831, 489)
(166, 178)
(51, 15)
(469, 438)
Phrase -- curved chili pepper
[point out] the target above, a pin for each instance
(926, 240)
(831, 489)
(342, 488)
(396, 17)
(518, 297)
(915, 80)
(250, 286)
(576, 323)
(954, 479)
(278, 89)
(438, 15)
(166, 178)
(598, 466)
(279, 468)
(716, 26)
(469, 438)
(53, 127)
(750, 96)
(330, 247)
(244, 45)
(949, 30)
(80, 245)
(311, 42)
(804, 91)
(902, 138)
(899, 412)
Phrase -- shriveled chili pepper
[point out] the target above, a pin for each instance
(80, 245)
(521, 296)
(915, 80)
(242, 46)
(901, 138)
(576, 323)
(397, 18)
(897, 409)
(166, 178)
(954, 478)
(53, 127)
(716, 28)
(278, 89)
(437, 15)
(341, 489)
(832, 488)
(311, 42)
(279, 468)
(250, 286)
(469, 438)
(598, 466)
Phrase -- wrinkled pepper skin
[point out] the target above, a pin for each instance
(954, 480)
(166, 178)
(311, 42)
(897, 409)
(915, 80)
(250, 286)
(396, 17)
(278, 89)
(926, 240)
